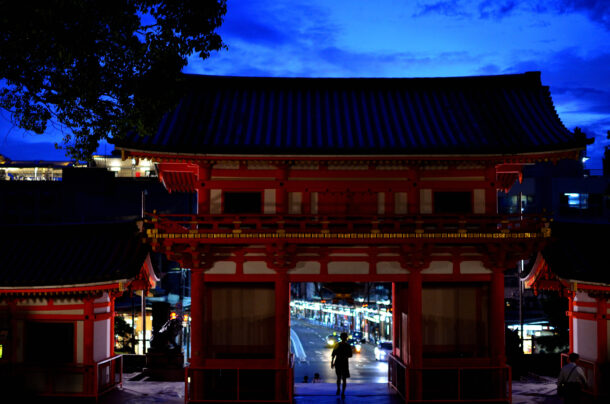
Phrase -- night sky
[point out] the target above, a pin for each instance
(567, 40)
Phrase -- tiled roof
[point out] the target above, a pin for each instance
(179, 181)
(579, 252)
(53, 255)
(361, 116)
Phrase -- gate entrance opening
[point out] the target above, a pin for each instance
(320, 312)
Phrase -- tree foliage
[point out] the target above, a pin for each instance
(98, 69)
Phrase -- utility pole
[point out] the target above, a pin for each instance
(520, 272)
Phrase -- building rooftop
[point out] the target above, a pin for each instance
(70, 254)
(361, 116)
(579, 252)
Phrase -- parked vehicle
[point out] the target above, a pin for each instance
(358, 336)
(332, 339)
(383, 350)
(355, 344)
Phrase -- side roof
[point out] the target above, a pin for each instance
(507, 114)
(73, 254)
(579, 252)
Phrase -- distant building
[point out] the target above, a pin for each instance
(32, 170)
(40, 170)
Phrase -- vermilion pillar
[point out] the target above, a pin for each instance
(414, 359)
(570, 313)
(396, 315)
(203, 193)
(197, 318)
(497, 343)
(112, 314)
(602, 330)
(400, 297)
(88, 331)
(282, 334)
(281, 196)
(197, 359)
(414, 321)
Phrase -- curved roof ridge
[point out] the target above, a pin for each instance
(504, 114)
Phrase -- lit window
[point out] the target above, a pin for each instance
(577, 201)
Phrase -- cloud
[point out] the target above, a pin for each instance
(595, 152)
(248, 22)
(580, 91)
(496, 9)
(596, 10)
(275, 24)
(449, 8)
(485, 9)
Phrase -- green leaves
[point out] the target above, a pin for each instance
(100, 69)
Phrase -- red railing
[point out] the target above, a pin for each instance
(411, 224)
(459, 384)
(68, 380)
(108, 374)
(234, 384)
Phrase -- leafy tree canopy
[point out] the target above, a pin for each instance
(98, 69)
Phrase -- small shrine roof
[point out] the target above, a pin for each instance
(70, 254)
(579, 252)
(506, 114)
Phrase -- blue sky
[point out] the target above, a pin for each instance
(567, 40)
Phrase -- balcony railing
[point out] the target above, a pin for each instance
(69, 380)
(321, 226)
(232, 384)
(460, 384)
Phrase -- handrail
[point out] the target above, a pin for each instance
(112, 358)
(112, 381)
(92, 385)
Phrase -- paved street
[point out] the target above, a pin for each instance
(363, 367)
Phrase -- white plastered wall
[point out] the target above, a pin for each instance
(479, 201)
(390, 267)
(439, 267)
(306, 267)
(295, 204)
(269, 201)
(400, 203)
(257, 267)
(223, 267)
(348, 267)
(380, 203)
(215, 201)
(473, 267)
(314, 203)
(101, 340)
(425, 201)
(80, 332)
(585, 331)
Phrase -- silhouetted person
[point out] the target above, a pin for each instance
(340, 361)
(316, 378)
(571, 380)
